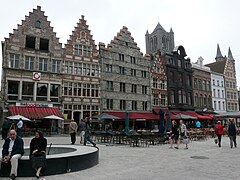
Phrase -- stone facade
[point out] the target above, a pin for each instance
(81, 77)
(125, 75)
(202, 87)
(32, 63)
(159, 39)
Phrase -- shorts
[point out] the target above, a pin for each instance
(175, 137)
(82, 133)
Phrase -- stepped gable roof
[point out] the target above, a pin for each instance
(34, 21)
(124, 39)
(81, 35)
(218, 66)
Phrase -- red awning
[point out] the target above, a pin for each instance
(134, 115)
(34, 112)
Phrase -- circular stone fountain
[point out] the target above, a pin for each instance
(61, 159)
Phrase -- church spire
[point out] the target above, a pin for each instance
(219, 54)
(230, 56)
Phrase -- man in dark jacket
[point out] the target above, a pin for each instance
(232, 132)
(13, 149)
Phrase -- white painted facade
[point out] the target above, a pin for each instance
(218, 92)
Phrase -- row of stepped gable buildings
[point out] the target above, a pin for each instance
(40, 77)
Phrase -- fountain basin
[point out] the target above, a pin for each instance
(61, 159)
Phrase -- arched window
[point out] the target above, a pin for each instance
(38, 24)
(155, 42)
(163, 42)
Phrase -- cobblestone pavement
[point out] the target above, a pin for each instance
(204, 160)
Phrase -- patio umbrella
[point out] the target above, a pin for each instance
(183, 116)
(105, 116)
(53, 117)
(161, 121)
(18, 117)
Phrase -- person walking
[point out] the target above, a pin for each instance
(87, 136)
(198, 124)
(232, 132)
(5, 128)
(20, 127)
(73, 127)
(183, 132)
(13, 149)
(174, 134)
(82, 129)
(219, 132)
(38, 147)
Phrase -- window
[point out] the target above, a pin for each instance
(77, 89)
(214, 82)
(133, 60)
(86, 69)
(204, 85)
(78, 49)
(121, 57)
(162, 84)
(200, 84)
(110, 85)
(215, 105)
(144, 74)
(133, 72)
(109, 103)
(172, 97)
(30, 42)
(184, 99)
(144, 89)
(54, 92)
(78, 69)
(144, 105)
(180, 96)
(214, 93)
(231, 84)
(155, 99)
(13, 88)
(209, 101)
(196, 100)
(189, 80)
(235, 96)
(227, 84)
(201, 100)
(95, 70)
(217, 82)
(94, 90)
(171, 77)
(29, 62)
(208, 86)
(189, 97)
(134, 88)
(122, 87)
(38, 24)
(88, 90)
(121, 70)
(223, 106)
(43, 64)
(219, 105)
(42, 91)
(27, 91)
(14, 60)
(179, 63)
(234, 85)
(108, 68)
(205, 100)
(44, 44)
(180, 78)
(122, 105)
(68, 67)
(56, 66)
(228, 95)
(68, 88)
(195, 83)
(222, 83)
(134, 105)
(155, 83)
(223, 94)
(86, 51)
(218, 93)
(163, 100)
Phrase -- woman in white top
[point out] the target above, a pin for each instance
(183, 133)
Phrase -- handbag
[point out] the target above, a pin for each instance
(38, 153)
(185, 140)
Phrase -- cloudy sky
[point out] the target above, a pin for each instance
(198, 25)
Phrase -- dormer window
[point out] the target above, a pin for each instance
(38, 24)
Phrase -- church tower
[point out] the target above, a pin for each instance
(159, 39)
